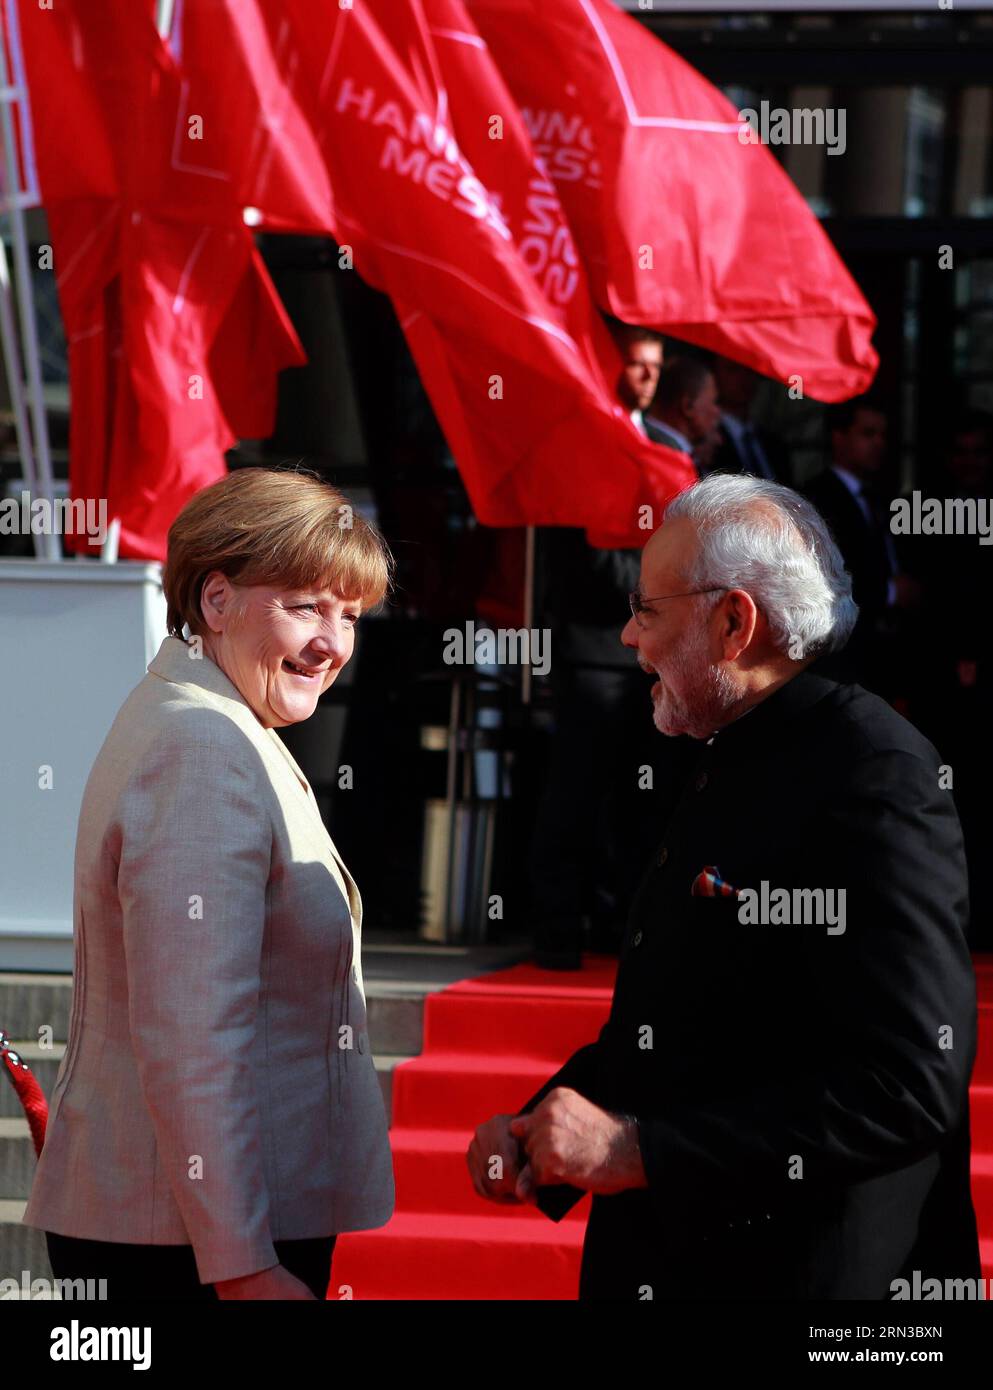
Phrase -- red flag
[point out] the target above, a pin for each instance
(237, 137)
(682, 226)
(174, 330)
(437, 192)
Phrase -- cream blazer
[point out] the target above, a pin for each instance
(217, 1088)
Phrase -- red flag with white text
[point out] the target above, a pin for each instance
(684, 223)
(437, 193)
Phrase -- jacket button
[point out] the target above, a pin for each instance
(663, 856)
(701, 781)
(636, 939)
(363, 1042)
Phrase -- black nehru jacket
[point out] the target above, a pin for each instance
(802, 1109)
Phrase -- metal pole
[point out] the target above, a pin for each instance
(528, 609)
(163, 16)
(15, 384)
(25, 303)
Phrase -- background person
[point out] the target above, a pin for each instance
(578, 885)
(741, 446)
(685, 410)
(847, 495)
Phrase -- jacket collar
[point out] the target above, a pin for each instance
(175, 663)
(767, 718)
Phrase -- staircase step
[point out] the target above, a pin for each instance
(431, 1174)
(44, 1063)
(561, 1025)
(982, 1189)
(30, 1002)
(442, 1089)
(21, 1247)
(17, 1159)
(433, 1255)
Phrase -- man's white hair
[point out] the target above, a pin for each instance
(764, 538)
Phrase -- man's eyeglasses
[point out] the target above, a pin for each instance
(640, 604)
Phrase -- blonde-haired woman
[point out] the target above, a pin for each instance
(217, 1118)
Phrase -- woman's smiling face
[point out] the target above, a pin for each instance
(281, 648)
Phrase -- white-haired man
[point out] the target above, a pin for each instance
(777, 1105)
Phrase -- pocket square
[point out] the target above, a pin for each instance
(709, 884)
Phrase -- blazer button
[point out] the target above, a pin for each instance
(701, 781)
(363, 1042)
(663, 856)
(636, 940)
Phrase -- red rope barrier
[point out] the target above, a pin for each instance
(30, 1094)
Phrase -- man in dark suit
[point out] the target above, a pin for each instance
(685, 410)
(740, 446)
(844, 495)
(580, 835)
(777, 1105)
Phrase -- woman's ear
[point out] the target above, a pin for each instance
(215, 600)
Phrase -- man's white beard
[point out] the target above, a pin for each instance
(696, 695)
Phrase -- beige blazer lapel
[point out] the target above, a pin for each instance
(348, 884)
(173, 662)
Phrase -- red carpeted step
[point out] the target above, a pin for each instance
(595, 979)
(431, 1175)
(458, 1090)
(981, 1117)
(512, 1023)
(983, 1067)
(982, 1189)
(435, 1255)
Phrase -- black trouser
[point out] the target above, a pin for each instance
(169, 1272)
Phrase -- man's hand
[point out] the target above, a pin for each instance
(274, 1283)
(493, 1158)
(570, 1140)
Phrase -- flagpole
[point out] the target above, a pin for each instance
(15, 385)
(38, 460)
(163, 16)
(528, 610)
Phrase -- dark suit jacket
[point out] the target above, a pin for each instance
(864, 553)
(726, 458)
(862, 548)
(776, 1050)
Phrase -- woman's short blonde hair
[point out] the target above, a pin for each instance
(281, 527)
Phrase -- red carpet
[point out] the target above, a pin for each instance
(489, 1043)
